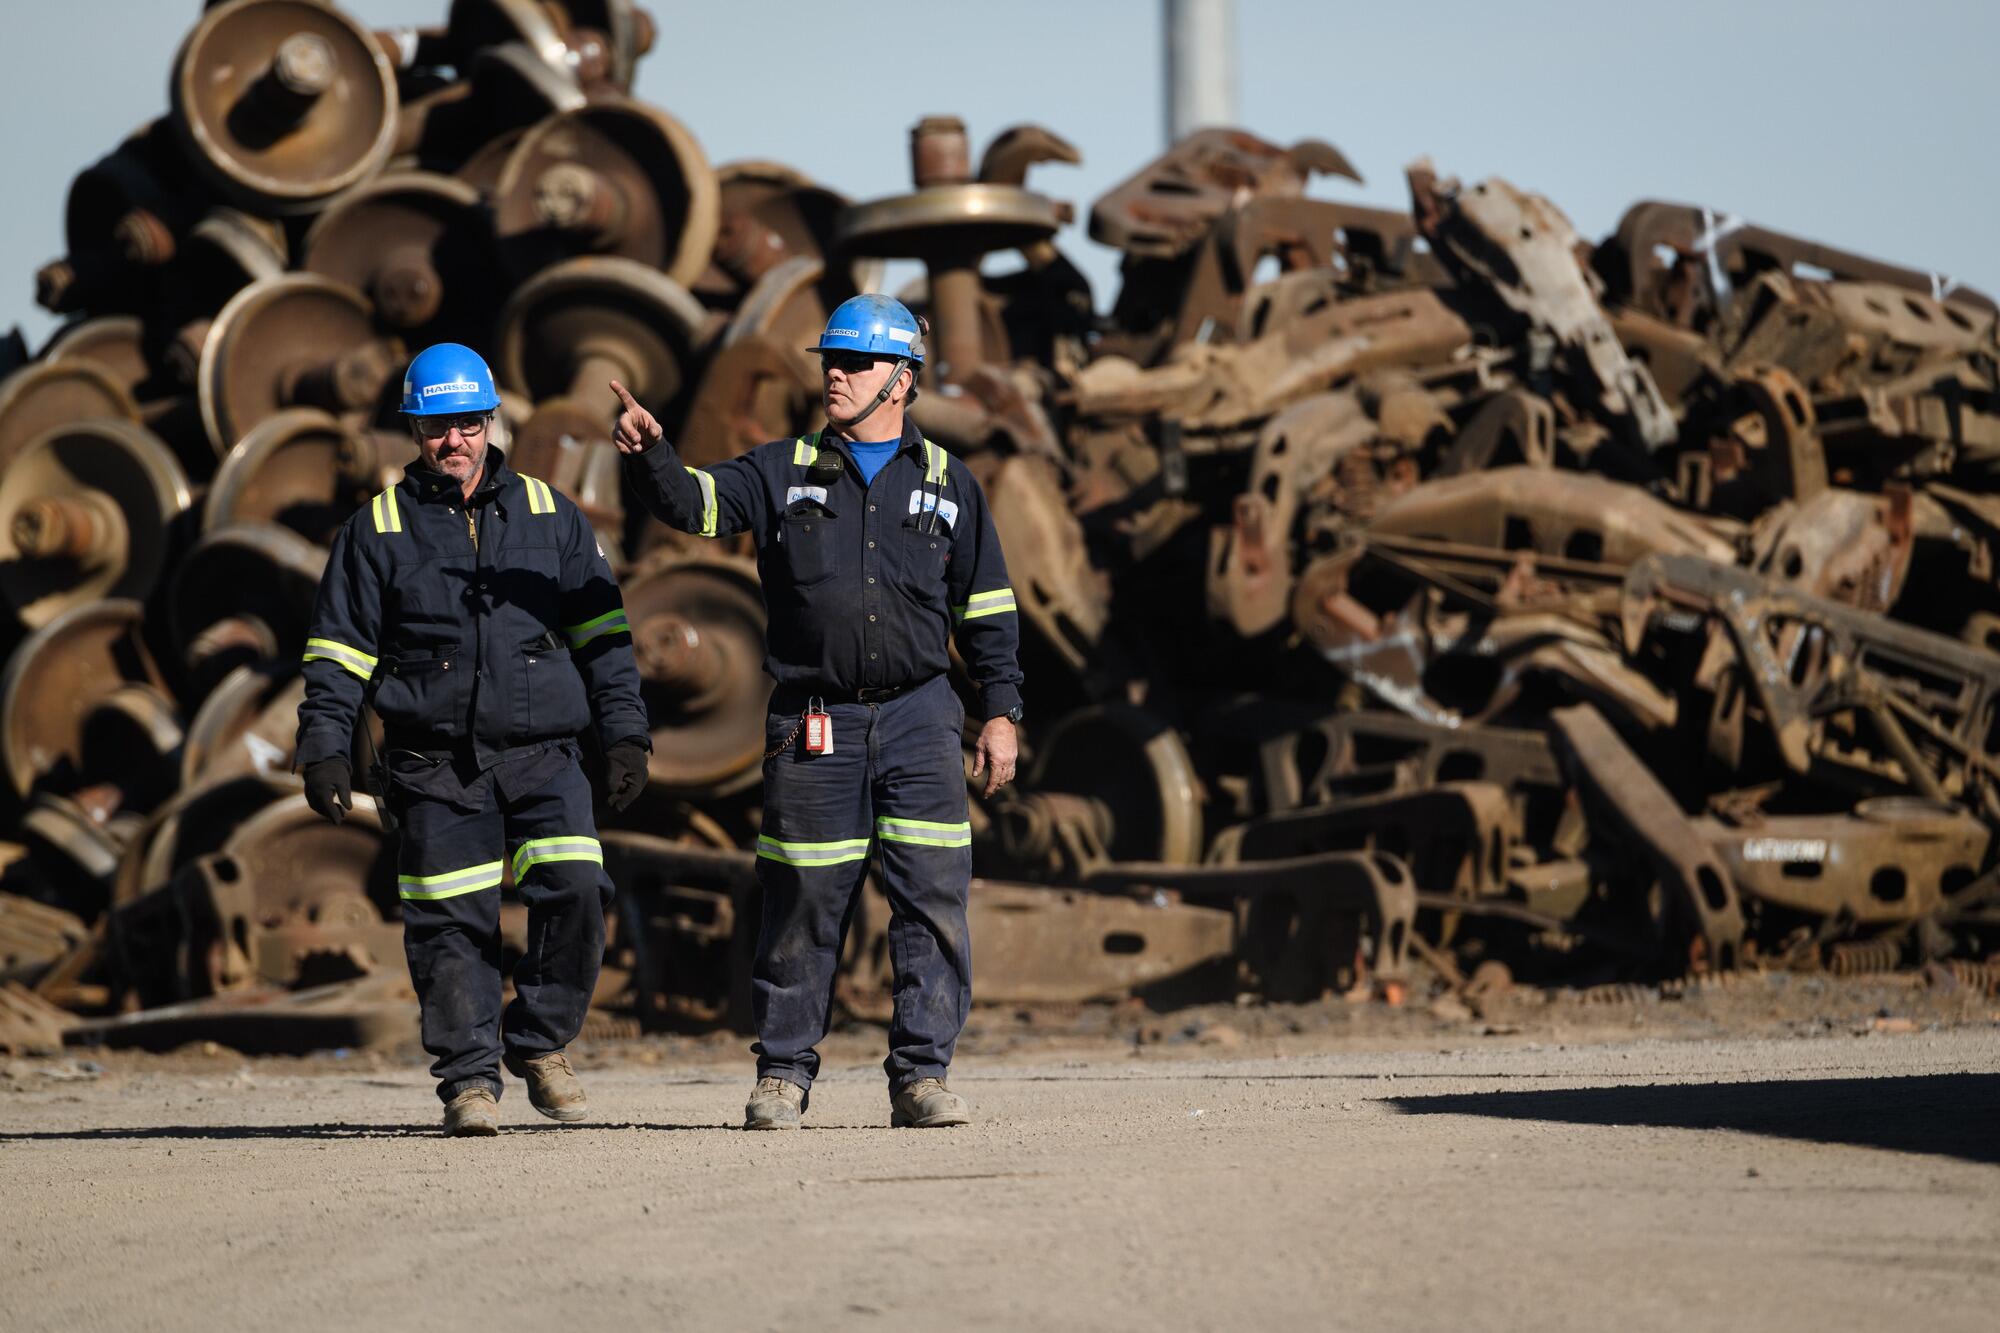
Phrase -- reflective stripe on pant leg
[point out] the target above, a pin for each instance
(925, 871)
(559, 873)
(811, 855)
(449, 883)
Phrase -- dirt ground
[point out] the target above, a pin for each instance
(1784, 1154)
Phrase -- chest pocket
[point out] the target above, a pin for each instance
(807, 537)
(423, 688)
(924, 555)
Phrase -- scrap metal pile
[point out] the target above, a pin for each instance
(1393, 584)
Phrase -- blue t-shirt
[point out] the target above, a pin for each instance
(871, 458)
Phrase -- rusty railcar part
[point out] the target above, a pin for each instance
(1522, 250)
(1574, 515)
(1166, 207)
(303, 469)
(247, 726)
(1706, 913)
(82, 706)
(1894, 859)
(1684, 262)
(87, 512)
(1931, 703)
(698, 633)
(1841, 545)
(770, 215)
(290, 900)
(283, 103)
(1109, 783)
(420, 246)
(243, 594)
(1064, 599)
(949, 223)
(1305, 924)
(294, 341)
(48, 395)
(125, 220)
(613, 178)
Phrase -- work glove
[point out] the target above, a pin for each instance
(624, 773)
(330, 788)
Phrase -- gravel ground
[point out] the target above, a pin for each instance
(1571, 1166)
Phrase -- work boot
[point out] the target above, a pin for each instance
(927, 1104)
(474, 1113)
(552, 1086)
(774, 1104)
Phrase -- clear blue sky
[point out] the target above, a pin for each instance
(1866, 125)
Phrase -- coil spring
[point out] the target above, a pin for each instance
(1861, 958)
(1617, 992)
(600, 1026)
(1983, 977)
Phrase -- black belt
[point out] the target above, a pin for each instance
(867, 694)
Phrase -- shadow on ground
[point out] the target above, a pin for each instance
(1948, 1115)
(330, 1131)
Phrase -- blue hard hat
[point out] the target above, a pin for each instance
(447, 378)
(876, 325)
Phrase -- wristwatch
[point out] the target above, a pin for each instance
(1014, 715)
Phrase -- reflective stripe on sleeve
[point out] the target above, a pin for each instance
(429, 888)
(924, 832)
(707, 501)
(986, 604)
(568, 847)
(611, 622)
(351, 659)
(813, 853)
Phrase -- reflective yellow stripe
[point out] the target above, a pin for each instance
(803, 453)
(813, 853)
(349, 659)
(568, 847)
(924, 832)
(450, 884)
(986, 604)
(388, 517)
(540, 500)
(707, 501)
(935, 461)
(611, 622)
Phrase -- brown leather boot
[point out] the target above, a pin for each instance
(927, 1104)
(774, 1104)
(472, 1114)
(552, 1086)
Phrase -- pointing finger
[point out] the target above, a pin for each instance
(625, 397)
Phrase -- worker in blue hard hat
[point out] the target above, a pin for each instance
(473, 608)
(877, 551)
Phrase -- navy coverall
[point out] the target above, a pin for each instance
(487, 633)
(864, 583)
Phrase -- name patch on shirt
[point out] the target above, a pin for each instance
(923, 501)
(817, 494)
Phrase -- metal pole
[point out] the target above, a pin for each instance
(1201, 65)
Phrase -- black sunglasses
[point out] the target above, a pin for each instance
(849, 363)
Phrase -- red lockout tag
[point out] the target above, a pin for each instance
(819, 733)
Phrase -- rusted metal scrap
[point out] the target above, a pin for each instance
(1398, 588)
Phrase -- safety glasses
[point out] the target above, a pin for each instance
(848, 363)
(470, 426)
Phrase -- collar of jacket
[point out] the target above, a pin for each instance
(430, 487)
(913, 441)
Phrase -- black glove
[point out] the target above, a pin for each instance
(624, 773)
(330, 788)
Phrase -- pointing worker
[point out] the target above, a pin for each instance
(875, 546)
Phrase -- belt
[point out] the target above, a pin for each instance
(867, 694)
